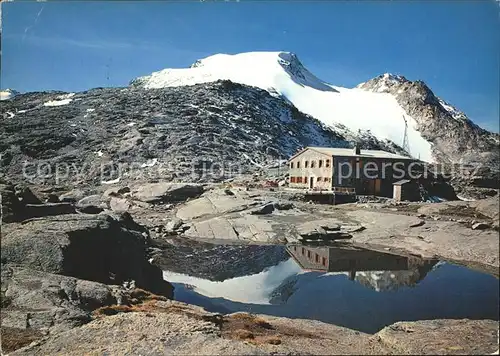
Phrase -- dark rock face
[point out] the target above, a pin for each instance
(48, 209)
(99, 248)
(166, 192)
(12, 209)
(195, 133)
(26, 196)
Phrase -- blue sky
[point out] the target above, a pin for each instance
(451, 45)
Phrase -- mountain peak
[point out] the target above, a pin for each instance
(276, 72)
(383, 82)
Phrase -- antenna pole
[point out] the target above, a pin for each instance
(406, 143)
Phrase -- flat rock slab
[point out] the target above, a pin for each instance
(216, 228)
(249, 227)
(213, 203)
(442, 337)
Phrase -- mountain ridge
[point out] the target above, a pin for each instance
(370, 106)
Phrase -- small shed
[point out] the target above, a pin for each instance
(405, 189)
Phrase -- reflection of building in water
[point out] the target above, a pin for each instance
(374, 269)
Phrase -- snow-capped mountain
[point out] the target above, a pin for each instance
(385, 107)
(6, 94)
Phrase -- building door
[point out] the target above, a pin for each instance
(311, 182)
(377, 186)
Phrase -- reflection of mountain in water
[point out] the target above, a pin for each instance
(381, 271)
(347, 288)
(392, 280)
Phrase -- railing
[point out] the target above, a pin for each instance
(344, 190)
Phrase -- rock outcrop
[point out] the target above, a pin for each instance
(12, 208)
(166, 192)
(102, 248)
(39, 300)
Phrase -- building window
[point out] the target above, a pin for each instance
(317, 258)
(313, 164)
(318, 179)
(292, 179)
(324, 261)
(291, 164)
(308, 254)
(306, 164)
(303, 251)
(305, 180)
(298, 164)
(320, 163)
(327, 163)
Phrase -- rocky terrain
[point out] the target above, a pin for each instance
(179, 329)
(67, 271)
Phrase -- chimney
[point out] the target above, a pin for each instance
(356, 150)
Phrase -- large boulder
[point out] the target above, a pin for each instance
(323, 229)
(166, 192)
(39, 300)
(93, 204)
(119, 204)
(102, 248)
(72, 196)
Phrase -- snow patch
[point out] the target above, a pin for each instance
(464, 199)
(454, 113)
(11, 115)
(57, 102)
(113, 181)
(150, 163)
